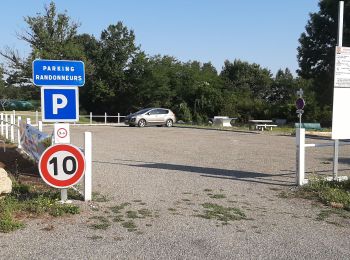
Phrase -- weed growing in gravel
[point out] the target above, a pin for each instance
(324, 214)
(217, 196)
(334, 194)
(130, 225)
(221, 213)
(103, 223)
(94, 237)
(145, 213)
(98, 197)
(28, 200)
(117, 208)
(118, 218)
(131, 214)
(207, 190)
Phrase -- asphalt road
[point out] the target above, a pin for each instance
(165, 175)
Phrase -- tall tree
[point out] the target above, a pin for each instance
(317, 48)
(51, 35)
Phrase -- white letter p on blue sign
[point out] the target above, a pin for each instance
(58, 105)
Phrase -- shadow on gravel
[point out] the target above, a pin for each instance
(245, 176)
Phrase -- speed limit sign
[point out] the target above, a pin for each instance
(62, 165)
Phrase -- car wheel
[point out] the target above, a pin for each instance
(169, 123)
(142, 123)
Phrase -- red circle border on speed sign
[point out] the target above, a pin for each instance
(47, 177)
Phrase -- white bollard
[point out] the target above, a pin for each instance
(6, 126)
(88, 167)
(2, 123)
(300, 156)
(105, 118)
(118, 118)
(18, 132)
(28, 121)
(12, 128)
(40, 126)
(90, 118)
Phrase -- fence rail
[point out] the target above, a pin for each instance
(108, 119)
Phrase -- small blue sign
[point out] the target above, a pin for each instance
(58, 73)
(59, 104)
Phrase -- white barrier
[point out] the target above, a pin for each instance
(300, 156)
(88, 169)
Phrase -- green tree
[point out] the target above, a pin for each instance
(316, 52)
(249, 86)
(51, 35)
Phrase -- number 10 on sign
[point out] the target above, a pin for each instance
(62, 165)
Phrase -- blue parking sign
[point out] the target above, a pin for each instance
(58, 73)
(59, 104)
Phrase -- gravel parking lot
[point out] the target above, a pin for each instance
(179, 193)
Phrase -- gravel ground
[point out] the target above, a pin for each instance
(165, 175)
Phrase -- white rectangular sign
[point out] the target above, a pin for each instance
(342, 67)
(62, 133)
(341, 96)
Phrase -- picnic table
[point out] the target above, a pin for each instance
(223, 121)
(262, 124)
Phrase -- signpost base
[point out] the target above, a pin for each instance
(64, 197)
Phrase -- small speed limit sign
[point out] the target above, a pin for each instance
(62, 165)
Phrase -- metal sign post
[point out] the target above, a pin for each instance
(341, 94)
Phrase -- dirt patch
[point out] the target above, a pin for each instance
(19, 165)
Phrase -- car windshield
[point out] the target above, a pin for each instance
(142, 111)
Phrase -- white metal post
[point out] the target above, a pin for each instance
(37, 117)
(6, 126)
(64, 195)
(340, 23)
(2, 123)
(105, 118)
(340, 44)
(40, 126)
(18, 132)
(118, 118)
(12, 128)
(335, 159)
(90, 118)
(88, 168)
(28, 121)
(300, 157)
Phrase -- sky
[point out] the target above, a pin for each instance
(265, 32)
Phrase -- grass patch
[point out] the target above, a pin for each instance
(217, 196)
(116, 209)
(145, 213)
(331, 193)
(132, 214)
(98, 197)
(324, 214)
(102, 223)
(30, 201)
(221, 213)
(130, 225)
(118, 218)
